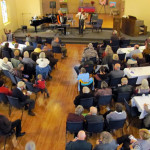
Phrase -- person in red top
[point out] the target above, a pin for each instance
(4, 89)
(41, 84)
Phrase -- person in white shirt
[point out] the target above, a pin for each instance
(82, 16)
(42, 61)
(5, 64)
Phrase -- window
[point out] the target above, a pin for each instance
(4, 11)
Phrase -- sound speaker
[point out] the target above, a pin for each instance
(52, 4)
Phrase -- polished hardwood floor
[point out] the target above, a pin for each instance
(48, 128)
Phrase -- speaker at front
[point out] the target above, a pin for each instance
(52, 4)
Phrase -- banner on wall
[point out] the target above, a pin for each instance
(112, 4)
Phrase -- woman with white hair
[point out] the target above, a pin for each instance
(106, 142)
(27, 59)
(6, 65)
(42, 61)
(86, 94)
(143, 88)
(77, 116)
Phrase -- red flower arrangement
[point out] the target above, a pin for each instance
(92, 3)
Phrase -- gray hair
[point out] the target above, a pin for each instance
(106, 137)
(26, 54)
(79, 109)
(42, 55)
(145, 84)
(104, 85)
(20, 84)
(85, 89)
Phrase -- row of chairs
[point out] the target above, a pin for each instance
(94, 127)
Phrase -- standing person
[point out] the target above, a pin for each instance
(9, 35)
(82, 16)
(61, 19)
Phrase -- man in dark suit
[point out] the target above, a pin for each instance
(124, 86)
(93, 117)
(23, 99)
(86, 94)
(28, 48)
(79, 143)
(6, 126)
(116, 73)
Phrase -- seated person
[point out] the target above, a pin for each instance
(40, 84)
(89, 53)
(17, 59)
(143, 88)
(50, 56)
(107, 56)
(84, 79)
(6, 65)
(16, 47)
(106, 142)
(86, 94)
(116, 73)
(103, 91)
(56, 43)
(83, 64)
(18, 72)
(28, 48)
(38, 49)
(77, 116)
(24, 99)
(28, 60)
(146, 120)
(114, 36)
(6, 126)
(6, 48)
(42, 61)
(130, 143)
(124, 87)
(79, 143)
(115, 60)
(102, 75)
(146, 51)
(135, 51)
(118, 114)
(4, 90)
(93, 117)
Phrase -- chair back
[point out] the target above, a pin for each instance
(104, 100)
(6, 73)
(3, 98)
(94, 127)
(56, 49)
(86, 102)
(132, 81)
(94, 60)
(94, 18)
(99, 83)
(122, 96)
(12, 77)
(13, 101)
(89, 69)
(18, 79)
(122, 56)
(116, 124)
(74, 127)
(5, 54)
(115, 81)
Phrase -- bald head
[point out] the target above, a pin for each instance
(117, 67)
(93, 110)
(81, 135)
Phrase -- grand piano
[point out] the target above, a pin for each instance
(49, 19)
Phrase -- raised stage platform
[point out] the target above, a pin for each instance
(73, 35)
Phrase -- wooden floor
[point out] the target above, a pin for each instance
(107, 20)
(47, 128)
